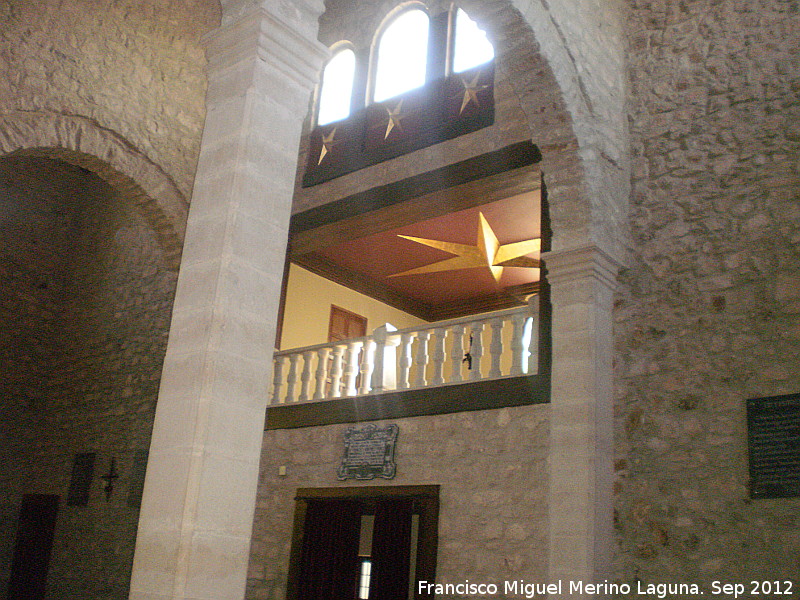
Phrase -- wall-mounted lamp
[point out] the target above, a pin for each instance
(110, 478)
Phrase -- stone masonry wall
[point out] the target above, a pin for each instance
(83, 329)
(708, 316)
(134, 67)
(491, 466)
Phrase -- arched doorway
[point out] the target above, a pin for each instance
(87, 295)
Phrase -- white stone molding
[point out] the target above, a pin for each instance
(582, 281)
(269, 37)
(565, 266)
(196, 519)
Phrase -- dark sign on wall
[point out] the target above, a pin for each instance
(81, 481)
(773, 436)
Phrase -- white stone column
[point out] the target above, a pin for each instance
(197, 511)
(582, 282)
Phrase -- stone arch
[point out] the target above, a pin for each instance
(584, 45)
(82, 142)
(549, 119)
(585, 147)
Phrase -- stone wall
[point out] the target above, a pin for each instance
(133, 67)
(491, 466)
(83, 328)
(708, 314)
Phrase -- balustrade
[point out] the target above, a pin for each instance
(442, 353)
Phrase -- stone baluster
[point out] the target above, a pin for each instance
(351, 370)
(533, 335)
(277, 378)
(496, 348)
(457, 353)
(476, 329)
(305, 377)
(291, 378)
(422, 358)
(367, 365)
(405, 361)
(336, 372)
(384, 374)
(322, 373)
(438, 356)
(519, 349)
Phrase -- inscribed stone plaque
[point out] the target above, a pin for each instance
(773, 427)
(369, 453)
(81, 481)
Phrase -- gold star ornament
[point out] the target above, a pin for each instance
(487, 252)
(328, 142)
(395, 117)
(471, 90)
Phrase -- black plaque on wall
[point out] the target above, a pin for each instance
(81, 481)
(773, 438)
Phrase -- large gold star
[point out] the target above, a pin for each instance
(471, 90)
(328, 143)
(394, 119)
(487, 252)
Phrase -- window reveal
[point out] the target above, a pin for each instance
(335, 97)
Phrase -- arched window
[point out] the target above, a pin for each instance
(402, 55)
(470, 46)
(336, 89)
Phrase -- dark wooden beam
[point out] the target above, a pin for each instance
(506, 298)
(361, 492)
(493, 176)
(478, 395)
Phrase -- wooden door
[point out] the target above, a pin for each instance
(37, 523)
(345, 325)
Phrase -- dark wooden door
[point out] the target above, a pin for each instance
(37, 523)
(332, 541)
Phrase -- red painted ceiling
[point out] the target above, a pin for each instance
(380, 255)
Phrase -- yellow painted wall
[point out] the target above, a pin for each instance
(308, 306)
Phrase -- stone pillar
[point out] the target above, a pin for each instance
(197, 511)
(581, 424)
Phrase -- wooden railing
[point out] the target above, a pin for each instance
(479, 347)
